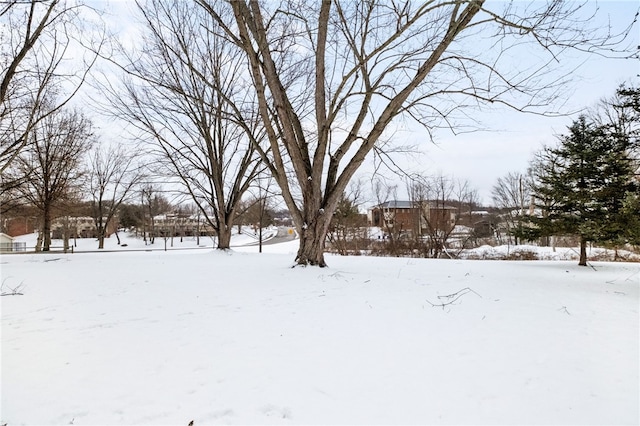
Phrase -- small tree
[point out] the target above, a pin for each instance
(153, 204)
(52, 162)
(512, 194)
(113, 176)
(587, 178)
(387, 197)
(433, 198)
(347, 223)
(131, 216)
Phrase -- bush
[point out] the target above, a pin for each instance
(522, 255)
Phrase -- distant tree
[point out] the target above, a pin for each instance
(466, 200)
(390, 226)
(154, 204)
(178, 91)
(52, 161)
(621, 114)
(113, 175)
(512, 195)
(587, 177)
(348, 223)
(434, 197)
(256, 212)
(131, 215)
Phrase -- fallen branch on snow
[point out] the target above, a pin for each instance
(450, 299)
(16, 291)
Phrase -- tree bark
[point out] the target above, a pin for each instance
(100, 239)
(583, 252)
(46, 229)
(312, 241)
(65, 235)
(39, 241)
(224, 237)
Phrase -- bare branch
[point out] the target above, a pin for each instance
(451, 299)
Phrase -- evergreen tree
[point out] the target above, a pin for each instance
(629, 99)
(631, 218)
(623, 112)
(587, 185)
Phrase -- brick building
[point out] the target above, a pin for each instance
(412, 217)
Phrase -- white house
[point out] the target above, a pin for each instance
(6, 243)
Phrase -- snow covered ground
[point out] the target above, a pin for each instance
(129, 242)
(242, 338)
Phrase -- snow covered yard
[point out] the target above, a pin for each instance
(241, 338)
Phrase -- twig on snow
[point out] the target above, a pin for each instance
(15, 291)
(450, 299)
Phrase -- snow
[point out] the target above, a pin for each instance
(129, 242)
(242, 338)
(544, 253)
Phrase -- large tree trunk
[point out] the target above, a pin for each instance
(312, 240)
(224, 237)
(583, 252)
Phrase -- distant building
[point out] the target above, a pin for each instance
(412, 217)
(174, 224)
(79, 227)
(8, 245)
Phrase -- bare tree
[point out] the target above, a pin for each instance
(178, 92)
(433, 196)
(512, 194)
(467, 198)
(43, 55)
(256, 210)
(153, 204)
(52, 161)
(113, 175)
(332, 76)
(620, 113)
(387, 198)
